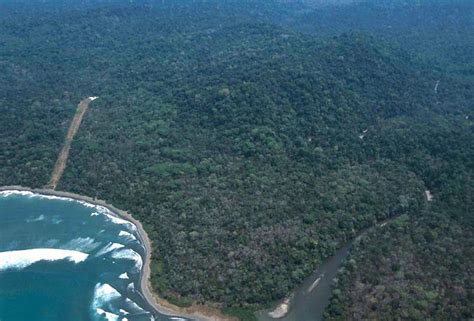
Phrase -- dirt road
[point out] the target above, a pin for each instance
(64, 154)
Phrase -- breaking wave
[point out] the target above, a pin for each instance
(133, 306)
(109, 316)
(33, 195)
(23, 258)
(120, 221)
(102, 304)
(108, 243)
(127, 236)
(109, 248)
(129, 254)
(99, 208)
(83, 244)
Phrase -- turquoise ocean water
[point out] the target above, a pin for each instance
(65, 260)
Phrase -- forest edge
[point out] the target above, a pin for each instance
(195, 311)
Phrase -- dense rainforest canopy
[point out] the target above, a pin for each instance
(255, 138)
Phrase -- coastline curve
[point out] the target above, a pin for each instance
(160, 305)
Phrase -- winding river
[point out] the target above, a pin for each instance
(64, 258)
(310, 299)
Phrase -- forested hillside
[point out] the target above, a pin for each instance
(253, 148)
(410, 269)
(418, 265)
(438, 33)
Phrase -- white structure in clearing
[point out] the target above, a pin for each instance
(429, 196)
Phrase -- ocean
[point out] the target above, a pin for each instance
(68, 260)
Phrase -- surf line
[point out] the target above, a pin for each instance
(64, 154)
(156, 304)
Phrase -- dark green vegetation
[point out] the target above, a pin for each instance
(408, 270)
(437, 33)
(419, 265)
(234, 137)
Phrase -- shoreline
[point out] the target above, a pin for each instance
(160, 305)
(281, 310)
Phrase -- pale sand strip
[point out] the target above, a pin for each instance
(281, 310)
(195, 312)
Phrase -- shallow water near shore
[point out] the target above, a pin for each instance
(62, 259)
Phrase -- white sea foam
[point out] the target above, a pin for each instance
(129, 254)
(83, 244)
(133, 306)
(124, 276)
(104, 293)
(15, 192)
(117, 220)
(86, 204)
(36, 219)
(33, 195)
(128, 236)
(99, 208)
(109, 316)
(177, 319)
(23, 258)
(124, 312)
(110, 216)
(109, 248)
(55, 219)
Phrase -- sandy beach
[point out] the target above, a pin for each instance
(195, 312)
(281, 310)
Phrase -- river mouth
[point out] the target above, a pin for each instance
(311, 298)
(65, 259)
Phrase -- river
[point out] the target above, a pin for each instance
(310, 299)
